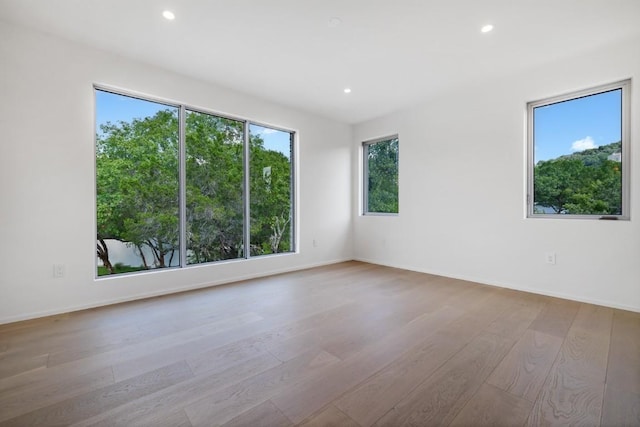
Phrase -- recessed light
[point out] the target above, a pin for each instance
(487, 28)
(347, 90)
(168, 15)
(334, 22)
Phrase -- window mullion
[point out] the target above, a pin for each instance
(292, 202)
(365, 177)
(182, 180)
(247, 192)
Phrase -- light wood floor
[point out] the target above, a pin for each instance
(351, 344)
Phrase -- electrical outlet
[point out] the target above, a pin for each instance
(550, 257)
(58, 270)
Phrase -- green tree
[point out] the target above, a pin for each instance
(382, 158)
(214, 172)
(138, 189)
(137, 186)
(584, 183)
(110, 207)
(270, 196)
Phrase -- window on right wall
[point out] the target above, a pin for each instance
(578, 154)
(380, 176)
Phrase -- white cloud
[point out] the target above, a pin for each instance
(268, 131)
(583, 144)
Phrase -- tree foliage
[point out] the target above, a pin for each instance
(137, 185)
(137, 176)
(214, 181)
(270, 196)
(382, 160)
(584, 183)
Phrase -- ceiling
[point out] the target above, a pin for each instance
(392, 54)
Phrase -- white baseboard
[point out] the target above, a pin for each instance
(515, 287)
(70, 309)
(103, 303)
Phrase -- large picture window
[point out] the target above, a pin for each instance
(578, 162)
(380, 176)
(176, 186)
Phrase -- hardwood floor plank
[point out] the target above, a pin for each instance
(222, 406)
(303, 399)
(596, 319)
(587, 342)
(480, 313)
(620, 408)
(556, 317)
(11, 365)
(624, 359)
(514, 323)
(523, 371)
(177, 418)
(163, 403)
(285, 342)
(349, 341)
(88, 343)
(377, 395)
(117, 358)
(317, 336)
(61, 331)
(272, 337)
(368, 323)
(140, 336)
(330, 417)
(185, 347)
(440, 397)
(566, 400)
(573, 391)
(179, 346)
(482, 306)
(29, 399)
(493, 407)
(157, 348)
(264, 415)
(82, 407)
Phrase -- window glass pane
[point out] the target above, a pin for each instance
(381, 176)
(137, 184)
(214, 184)
(577, 150)
(271, 190)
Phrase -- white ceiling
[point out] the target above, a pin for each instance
(391, 53)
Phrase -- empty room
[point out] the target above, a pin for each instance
(319, 213)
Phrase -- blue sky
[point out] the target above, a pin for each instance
(115, 108)
(576, 125)
(275, 140)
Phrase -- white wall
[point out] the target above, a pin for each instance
(462, 191)
(47, 213)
